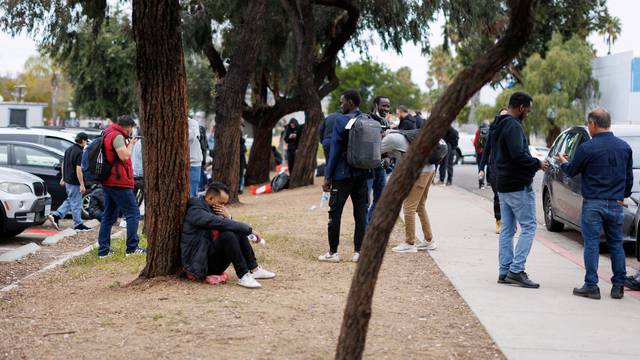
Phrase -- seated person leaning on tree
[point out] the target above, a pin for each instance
(211, 241)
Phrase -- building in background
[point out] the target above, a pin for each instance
(618, 77)
(22, 114)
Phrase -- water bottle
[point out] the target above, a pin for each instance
(255, 239)
(324, 199)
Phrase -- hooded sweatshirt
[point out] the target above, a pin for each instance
(513, 162)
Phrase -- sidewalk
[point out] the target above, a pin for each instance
(548, 322)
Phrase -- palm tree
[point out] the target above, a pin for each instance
(611, 30)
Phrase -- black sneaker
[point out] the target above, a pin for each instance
(138, 250)
(617, 292)
(591, 292)
(521, 279)
(631, 283)
(54, 221)
(502, 279)
(82, 228)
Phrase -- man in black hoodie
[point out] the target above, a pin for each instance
(515, 169)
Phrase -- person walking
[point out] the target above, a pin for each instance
(446, 166)
(73, 182)
(118, 188)
(515, 171)
(292, 135)
(479, 143)
(487, 171)
(606, 165)
(380, 111)
(344, 181)
(407, 121)
(195, 157)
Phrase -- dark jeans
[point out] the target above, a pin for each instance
(231, 248)
(481, 181)
(341, 190)
(446, 166)
(596, 215)
(291, 159)
(376, 185)
(496, 199)
(203, 179)
(116, 200)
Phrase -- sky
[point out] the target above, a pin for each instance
(15, 51)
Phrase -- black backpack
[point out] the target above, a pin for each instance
(99, 168)
(438, 153)
(279, 182)
(483, 134)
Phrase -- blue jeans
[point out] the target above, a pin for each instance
(596, 215)
(203, 180)
(376, 185)
(116, 200)
(72, 203)
(516, 207)
(194, 180)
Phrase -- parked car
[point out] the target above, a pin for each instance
(92, 133)
(539, 152)
(53, 138)
(42, 161)
(24, 198)
(466, 152)
(561, 196)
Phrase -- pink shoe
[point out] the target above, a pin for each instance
(216, 279)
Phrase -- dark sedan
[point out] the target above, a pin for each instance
(561, 195)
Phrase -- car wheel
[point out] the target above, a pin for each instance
(7, 233)
(86, 198)
(549, 219)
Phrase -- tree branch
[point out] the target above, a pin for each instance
(330, 52)
(214, 57)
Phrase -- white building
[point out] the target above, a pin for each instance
(21, 114)
(619, 82)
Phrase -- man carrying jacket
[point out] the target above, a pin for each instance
(211, 241)
(515, 169)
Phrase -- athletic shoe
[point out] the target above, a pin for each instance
(138, 250)
(498, 224)
(329, 257)
(82, 228)
(502, 279)
(591, 292)
(123, 224)
(216, 279)
(108, 255)
(617, 292)
(261, 273)
(426, 245)
(249, 282)
(54, 221)
(632, 283)
(405, 248)
(356, 257)
(521, 279)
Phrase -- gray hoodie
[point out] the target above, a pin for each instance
(195, 152)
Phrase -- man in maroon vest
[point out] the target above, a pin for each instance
(118, 187)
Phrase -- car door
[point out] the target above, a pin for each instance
(570, 198)
(43, 164)
(554, 175)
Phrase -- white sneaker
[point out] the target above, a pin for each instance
(405, 248)
(356, 257)
(123, 224)
(426, 245)
(329, 257)
(249, 282)
(261, 273)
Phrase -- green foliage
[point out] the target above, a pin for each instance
(372, 79)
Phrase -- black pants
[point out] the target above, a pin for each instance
(446, 166)
(496, 199)
(291, 159)
(341, 190)
(231, 248)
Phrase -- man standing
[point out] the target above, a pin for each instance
(381, 107)
(118, 187)
(73, 182)
(446, 166)
(407, 122)
(486, 162)
(292, 135)
(515, 171)
(195, 157)
(606, 165)
(344, 181)
(479, 143)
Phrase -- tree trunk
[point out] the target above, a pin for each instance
(259, 164)
(163, 115)
(552, 133)
(230, 95)
(358, 309)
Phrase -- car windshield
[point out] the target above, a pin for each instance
(634, 142)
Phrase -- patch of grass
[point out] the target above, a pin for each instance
(118, 262)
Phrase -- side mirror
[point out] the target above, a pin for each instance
(58, 167)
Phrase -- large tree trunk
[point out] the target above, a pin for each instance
(163, 115)
(259, 164)
(358, 309)
(230, 95)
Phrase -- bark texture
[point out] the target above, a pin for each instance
(355, 323)
(259, 164)
(230, 95)
(163, 115)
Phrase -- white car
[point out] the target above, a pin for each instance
(25, 201)
(53, 138)
(539, 152)
(466, 152)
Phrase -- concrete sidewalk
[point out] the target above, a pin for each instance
(547, 323)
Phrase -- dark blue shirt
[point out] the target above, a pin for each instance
(606, 165)
(326, 129)
(337, 166)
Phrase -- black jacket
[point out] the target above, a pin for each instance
(197, 235)
(407, 123)
(204, 145)
(452, 137)
(513, 162)
(96, 203)
(293, 143)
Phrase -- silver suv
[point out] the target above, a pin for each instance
(25, 201)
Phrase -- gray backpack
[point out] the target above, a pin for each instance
(363, 151)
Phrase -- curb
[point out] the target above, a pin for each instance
(54, 239)
(19, 253)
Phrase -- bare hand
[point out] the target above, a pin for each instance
(257, 234)
(562, 158)
(82, 189)
(326, 187)
(222, 210)
(621, 202)
(544, 165)
(61, 182)
(481, 174)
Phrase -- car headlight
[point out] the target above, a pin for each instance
(15, 188)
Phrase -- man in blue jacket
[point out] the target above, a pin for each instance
(344, 181)
(606, 165)
(515, 169)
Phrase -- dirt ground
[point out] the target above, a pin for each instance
(87, 309)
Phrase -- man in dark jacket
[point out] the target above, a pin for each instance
(446, 166)
(486, 162)
(211, 241)
(407, 121)
(515, 171)
(326, 130)
(292, 135)
(381, 107)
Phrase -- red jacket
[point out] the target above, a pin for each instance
(121, 172)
